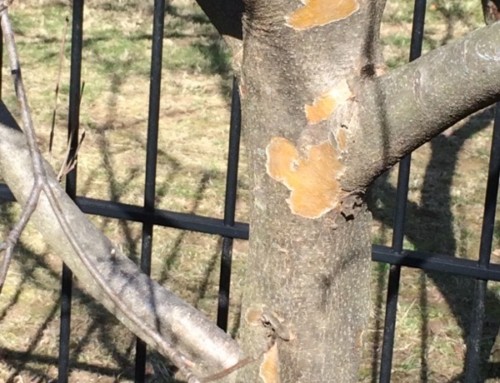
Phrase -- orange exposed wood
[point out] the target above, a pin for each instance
(316, 13)
(341, 139)
(312, 177)
(324, 106)
(253, 316)
(321, 109)
(269, 369)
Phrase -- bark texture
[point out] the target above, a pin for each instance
(309, 259)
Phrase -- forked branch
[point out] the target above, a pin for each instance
(146, 308)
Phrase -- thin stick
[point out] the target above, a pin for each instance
(70, 162)
(13, 236)
(58, 83)
(38, 169)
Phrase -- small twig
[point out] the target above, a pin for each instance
(222, 374)
(13, 236)
(58, 83)
(30, 206)
(70, 162)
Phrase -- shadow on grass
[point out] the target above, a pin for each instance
(28, 359)
(429, 227)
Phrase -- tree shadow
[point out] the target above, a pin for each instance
(430, 227)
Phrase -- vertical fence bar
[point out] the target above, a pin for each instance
(151, 156)
(473, 353)
(1, 62)
(71, 180)
(229, 207)
(417, 36)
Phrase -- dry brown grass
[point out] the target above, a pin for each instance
(446, 191)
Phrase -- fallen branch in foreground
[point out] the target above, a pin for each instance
(168, 324)
(193, 343)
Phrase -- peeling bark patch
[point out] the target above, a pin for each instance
(253, 316)
(269, 370)
(311, 177)
(324, 106)
(316, 13)
(340, 136)
(321, 109)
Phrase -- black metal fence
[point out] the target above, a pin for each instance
(480, 271)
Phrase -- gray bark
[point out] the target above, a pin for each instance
(311, 268)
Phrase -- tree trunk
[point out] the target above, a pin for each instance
(315, 280)
(307, 295)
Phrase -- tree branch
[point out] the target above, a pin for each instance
(193, 343)
(405, 108)
(150, 311)
(44, 181)
(491, 10)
